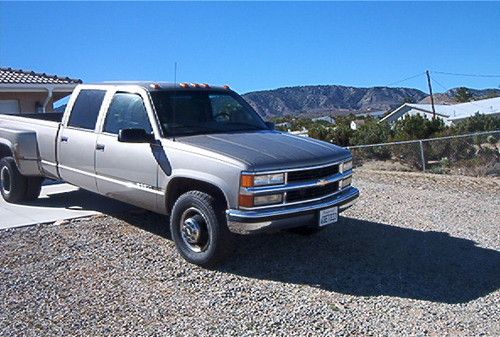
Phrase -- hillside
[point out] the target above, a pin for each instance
(329, 99)
(448, 97)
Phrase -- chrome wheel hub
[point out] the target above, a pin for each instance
(191, 230)
(194, 231)
(5, 181)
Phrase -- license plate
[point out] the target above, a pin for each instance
(328, 216)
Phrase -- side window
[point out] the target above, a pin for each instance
(127, 111)
(86, 109)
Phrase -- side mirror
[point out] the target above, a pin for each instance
(270, 125)
(135, 136)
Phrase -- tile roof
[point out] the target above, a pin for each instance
(19, 76)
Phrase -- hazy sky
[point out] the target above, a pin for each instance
(253, 46)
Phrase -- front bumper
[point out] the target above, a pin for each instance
(247, 222)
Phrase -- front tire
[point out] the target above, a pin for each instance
(199, 229)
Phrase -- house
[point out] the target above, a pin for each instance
(449, 113)
(24, 91)
(374, 114)
(302, 133)
(328, 119)
(355, 124)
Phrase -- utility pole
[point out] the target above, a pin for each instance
(430, 92)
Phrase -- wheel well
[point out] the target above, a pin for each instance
(179, 186)
(5, 151)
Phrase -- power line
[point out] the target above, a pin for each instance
(466, 75)
(439, 84)
(406, 79)
(472, 102)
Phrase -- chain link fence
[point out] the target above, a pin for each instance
(475, 154)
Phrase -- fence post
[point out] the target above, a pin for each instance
(422, 154)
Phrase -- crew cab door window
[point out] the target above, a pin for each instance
(126, 111)
(86, 109)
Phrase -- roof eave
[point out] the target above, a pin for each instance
(38, 87)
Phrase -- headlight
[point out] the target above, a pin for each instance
(347, 182)
(270, 199)
(248, 180)
(346, 166)
(260, 200)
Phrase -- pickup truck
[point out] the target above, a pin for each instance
(195, 152)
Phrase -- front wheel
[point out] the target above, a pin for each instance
(199, 229)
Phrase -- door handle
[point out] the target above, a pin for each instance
(64, 139)
(99, 147)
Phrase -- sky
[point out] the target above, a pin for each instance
(258, 45)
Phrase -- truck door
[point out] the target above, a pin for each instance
(77, 140)
(127, 171)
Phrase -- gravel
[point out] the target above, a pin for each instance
(418, 255)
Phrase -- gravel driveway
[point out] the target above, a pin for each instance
(418, 255)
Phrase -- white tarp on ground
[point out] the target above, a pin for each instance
(57, 202)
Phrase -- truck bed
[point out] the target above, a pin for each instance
(50, 116)
(35, 136)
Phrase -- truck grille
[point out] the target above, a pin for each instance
(312, 174)
(312, 192)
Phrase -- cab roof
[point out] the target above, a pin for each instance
(158, 86)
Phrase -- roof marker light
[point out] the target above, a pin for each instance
(226, 87)
(184, 85)
(155, 86)
(196, 85)
(205, 85)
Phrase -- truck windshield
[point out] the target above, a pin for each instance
(186, 113)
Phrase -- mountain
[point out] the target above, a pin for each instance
(448, 97)
(320, 100)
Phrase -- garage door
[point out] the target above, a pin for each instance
(9, 106)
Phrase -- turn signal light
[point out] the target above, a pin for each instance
(246, 200)
(247, 180)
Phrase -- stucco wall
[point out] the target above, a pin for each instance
(28, 100)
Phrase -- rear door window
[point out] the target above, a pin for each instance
(86, 109)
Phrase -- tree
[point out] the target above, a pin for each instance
(463, 95)
(372, 132)
(477, 123)
(418, 127)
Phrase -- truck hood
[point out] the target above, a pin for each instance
(269, 150)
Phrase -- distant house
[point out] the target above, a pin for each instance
(355, 124)
(328, 119)
(303, 133)
(374, 114)
(449, 113)
(24, 91)
(285, 125)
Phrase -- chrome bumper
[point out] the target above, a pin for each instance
(246, 222)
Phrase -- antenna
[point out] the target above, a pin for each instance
(173, 101)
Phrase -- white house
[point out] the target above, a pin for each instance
(355, 124)
(449, 113)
